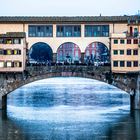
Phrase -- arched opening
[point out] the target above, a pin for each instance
(97, 53)
(51, 74)
(68, 53)
(40, 53)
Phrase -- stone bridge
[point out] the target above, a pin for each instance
(127, 82)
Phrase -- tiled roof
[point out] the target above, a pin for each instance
(69, 19)
(13, 34)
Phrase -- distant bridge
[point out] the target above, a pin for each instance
(127, 82)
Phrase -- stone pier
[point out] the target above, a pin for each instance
(135, 96)
(3, 102)
(0, 101)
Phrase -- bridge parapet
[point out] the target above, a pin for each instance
(70, 68)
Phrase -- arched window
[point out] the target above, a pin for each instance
(69, 53)
(40, 52)
(96, 52)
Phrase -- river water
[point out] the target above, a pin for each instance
(69, 109)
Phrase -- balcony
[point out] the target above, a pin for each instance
(118, 35)
(139, 43)
(133, 35)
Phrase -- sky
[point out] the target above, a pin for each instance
(68, 7)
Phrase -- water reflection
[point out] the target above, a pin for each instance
(69, 109)
(8, 129)
(126, 128)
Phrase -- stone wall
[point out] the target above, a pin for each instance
(11, 81)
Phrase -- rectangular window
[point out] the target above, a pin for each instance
(128, 52)
(105, 30)
(40, 31)
(135, 63)
(129, 64)
(9, 52)
(32, 31)
(121, 52)
(115, 63)
(60, 31)
(115, 41)
(128, 41)
(115, 52)
(17, 41)
(68, 30)
(20, 64)
(122, 64)
(1, 52)
(77, 31)
(15, 52)
(1, 41)
(19, 52)
(17, 64)
(135, 41)
(136, 32)
(135, 52)
(9, 64)
(1, 64)
(9, 41)
(5, 52)
(96, 30)
(122, 41)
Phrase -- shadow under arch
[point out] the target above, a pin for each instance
(97, 53)
(68, 52)
(40, 52)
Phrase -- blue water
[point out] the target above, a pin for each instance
(68, 109)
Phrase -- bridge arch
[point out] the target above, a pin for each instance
(97, 53)
(68, 52)
(13, 81)
(42, 72)
(40, 52)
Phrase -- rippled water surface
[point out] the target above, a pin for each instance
(69, 109)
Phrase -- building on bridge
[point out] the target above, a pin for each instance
(12, 52)
(125, 49)
(70, 40)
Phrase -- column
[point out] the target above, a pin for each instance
(0, 102)
(54, 30)
(137, 123)
(3, 102)
(54, 36)
(135, 98)
(82, 37)
(82, 30)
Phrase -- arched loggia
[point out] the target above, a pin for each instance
(97, 53)
(68, 53)
(40, 53)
